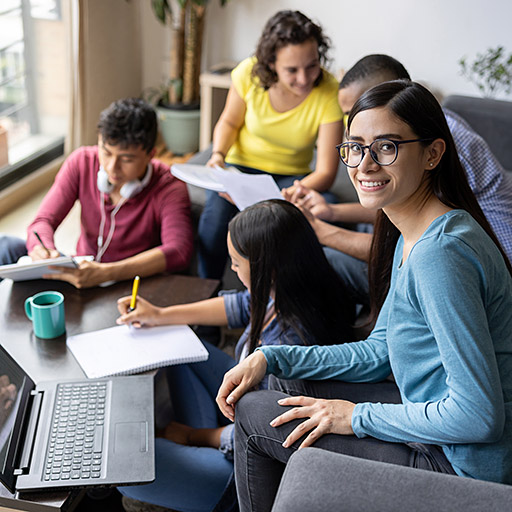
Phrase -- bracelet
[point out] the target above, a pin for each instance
(219, 153)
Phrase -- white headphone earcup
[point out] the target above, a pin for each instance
(102, 182)
(128, 190)
(131, 189)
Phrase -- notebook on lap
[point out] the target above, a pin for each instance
(79, 433)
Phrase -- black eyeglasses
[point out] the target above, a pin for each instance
(382, 151)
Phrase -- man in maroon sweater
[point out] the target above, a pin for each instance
(135, 216)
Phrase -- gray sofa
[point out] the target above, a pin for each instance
(491, 119)
(316, 481)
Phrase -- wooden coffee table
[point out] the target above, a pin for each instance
(86, 310)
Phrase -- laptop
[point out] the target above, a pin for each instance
(74, 433)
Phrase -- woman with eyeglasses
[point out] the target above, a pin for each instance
(442, 288)
(282, 102)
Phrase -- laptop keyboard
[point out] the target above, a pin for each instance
(76, 435)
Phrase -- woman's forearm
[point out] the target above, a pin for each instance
(204, 312)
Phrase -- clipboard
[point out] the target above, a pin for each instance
(36, 269)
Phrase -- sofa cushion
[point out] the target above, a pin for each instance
(491, 119)
(317, 480)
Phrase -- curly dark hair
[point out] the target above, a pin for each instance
(283, 29)
(129, 122)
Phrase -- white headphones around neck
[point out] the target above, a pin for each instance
(128, 190)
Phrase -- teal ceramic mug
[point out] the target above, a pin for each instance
(46, 310)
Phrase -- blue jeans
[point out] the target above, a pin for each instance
(11, 249)
(353, 272)
(213, 226)
(189, 478)
(193, 389)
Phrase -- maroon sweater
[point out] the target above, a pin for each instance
(158, 216)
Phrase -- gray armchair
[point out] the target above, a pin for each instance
(317, 480)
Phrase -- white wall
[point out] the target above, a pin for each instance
(428, 37)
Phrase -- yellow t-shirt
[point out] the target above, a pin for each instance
(280, 142)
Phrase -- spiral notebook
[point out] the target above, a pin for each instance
(123, 350)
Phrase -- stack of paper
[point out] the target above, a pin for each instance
(244, 189)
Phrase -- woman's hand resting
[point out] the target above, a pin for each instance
(323, 417)
(216, 160)
(240, 379)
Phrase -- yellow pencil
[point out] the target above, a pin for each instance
(135, 289)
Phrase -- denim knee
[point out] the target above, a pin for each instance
(11, 249)
(213, 230)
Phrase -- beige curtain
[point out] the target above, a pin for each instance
(105, 42)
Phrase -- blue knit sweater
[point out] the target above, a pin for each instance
(445, 332)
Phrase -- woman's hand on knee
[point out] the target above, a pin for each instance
(240, 379)
(323, 417)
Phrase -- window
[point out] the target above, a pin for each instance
(33, 85)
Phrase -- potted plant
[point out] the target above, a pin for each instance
(177, 102)
(490, 72)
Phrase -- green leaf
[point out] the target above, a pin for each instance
(490, 72)
(162, 9)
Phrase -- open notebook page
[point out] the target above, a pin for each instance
(123, 350)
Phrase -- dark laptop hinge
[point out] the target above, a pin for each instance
(30, 435)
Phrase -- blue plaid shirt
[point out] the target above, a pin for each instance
(491, 184)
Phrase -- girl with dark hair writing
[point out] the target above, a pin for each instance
(293, 297)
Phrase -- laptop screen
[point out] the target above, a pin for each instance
(15, 387)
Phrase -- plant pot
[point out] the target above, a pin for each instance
(4, 148)
(179, 128)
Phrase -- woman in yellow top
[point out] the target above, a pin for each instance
(280, 104)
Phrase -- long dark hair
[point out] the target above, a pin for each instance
(283, 29)
(285, 256)
(417, 107)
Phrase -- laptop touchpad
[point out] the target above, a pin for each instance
(131, 437)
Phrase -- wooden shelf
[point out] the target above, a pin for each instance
(214, 89)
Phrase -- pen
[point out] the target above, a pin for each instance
(41, 242)
(135, 289)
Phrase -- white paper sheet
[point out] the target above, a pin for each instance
(244, 189)
(201, 175)
(247, 189)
